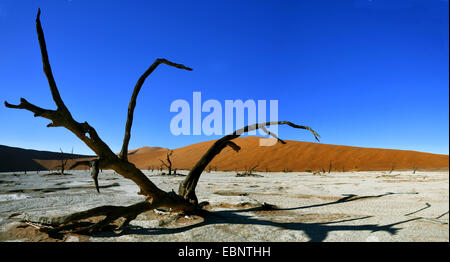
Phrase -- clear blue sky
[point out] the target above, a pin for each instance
(362, 73)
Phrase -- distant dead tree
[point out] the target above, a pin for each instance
(414, 169)
(330, 167)
(392, 168)
(249, 171)
(64, 160)
(211, 168)
(168, 165)
(183, 201)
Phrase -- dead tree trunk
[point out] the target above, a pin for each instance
(85, 132)
(169, 163)
(64, 160)
(392, 168)
(186, 200)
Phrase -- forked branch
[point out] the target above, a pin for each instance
(85, 132)
(187, 187)
(38, 111)
(186, 200)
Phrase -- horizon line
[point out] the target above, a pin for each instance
(364, 147)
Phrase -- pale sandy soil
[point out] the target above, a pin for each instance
(350, 206)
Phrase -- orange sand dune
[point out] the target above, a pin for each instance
(146, 149)
(293, 156)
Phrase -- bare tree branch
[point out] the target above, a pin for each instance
(164, 163)
(85, 132)
(259, 125)
(124, 152)
(24, 104)
(233, 146)
(79, 163)
(187, 187)
(272, 134)
(46, 64)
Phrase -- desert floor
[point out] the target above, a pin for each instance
(350, 206)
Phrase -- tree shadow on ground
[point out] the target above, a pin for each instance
(316, 232)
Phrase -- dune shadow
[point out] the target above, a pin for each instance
(316, 232)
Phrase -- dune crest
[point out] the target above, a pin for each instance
(296, 156)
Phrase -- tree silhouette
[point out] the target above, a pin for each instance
(169, 162)
(62, 165)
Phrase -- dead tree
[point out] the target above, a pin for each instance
(392, 168)
(64, 160)
(249, 172)
(169, 162)
(184, 201)
(414, 169)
